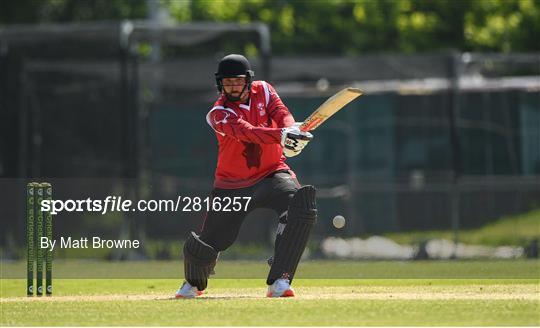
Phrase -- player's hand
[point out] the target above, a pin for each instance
(293, 140)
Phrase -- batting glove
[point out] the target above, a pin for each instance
(293, 140)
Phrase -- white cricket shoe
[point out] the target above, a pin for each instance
(187, 291)
(280, 288)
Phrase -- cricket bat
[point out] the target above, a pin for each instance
(331, 106)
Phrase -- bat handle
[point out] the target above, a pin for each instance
(302, 127)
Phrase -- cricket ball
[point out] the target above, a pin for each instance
(338, 221)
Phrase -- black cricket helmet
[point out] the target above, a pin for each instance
(233, 65)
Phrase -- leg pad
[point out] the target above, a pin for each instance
(199, 261)
(302, 215)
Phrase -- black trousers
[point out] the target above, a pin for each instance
(220, 229)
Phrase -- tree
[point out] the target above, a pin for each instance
(335, 27)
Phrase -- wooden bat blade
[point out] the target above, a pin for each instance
(331, 106)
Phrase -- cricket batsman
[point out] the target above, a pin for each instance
(255, 132)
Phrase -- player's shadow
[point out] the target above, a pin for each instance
(212, 297)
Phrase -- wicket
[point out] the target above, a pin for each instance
(35, 229)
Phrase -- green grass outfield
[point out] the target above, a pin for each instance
(512, 230)
(483, 293)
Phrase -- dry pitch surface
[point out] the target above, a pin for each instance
(528, 292)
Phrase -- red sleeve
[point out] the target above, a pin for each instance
(229, 124)
(277, 110)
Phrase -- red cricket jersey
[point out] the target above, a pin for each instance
(249, 136)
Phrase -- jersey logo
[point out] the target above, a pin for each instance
(260, 107)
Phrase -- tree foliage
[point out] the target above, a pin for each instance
(49, 11)
(374, 26)
(330, 26)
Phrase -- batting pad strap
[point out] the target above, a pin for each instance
(199, 261)
(303, 214)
